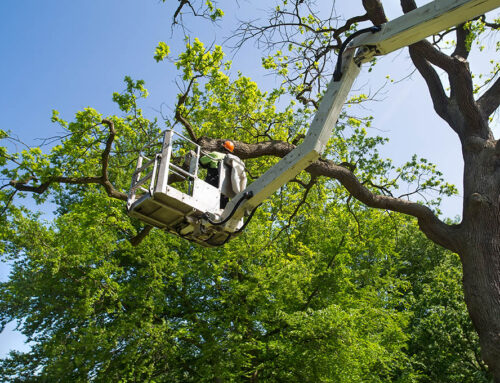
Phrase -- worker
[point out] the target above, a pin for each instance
(212, 163)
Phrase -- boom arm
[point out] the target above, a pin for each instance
(403, 31)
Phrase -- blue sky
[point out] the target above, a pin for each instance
(68, 55)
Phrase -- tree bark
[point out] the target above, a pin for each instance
(480, 248)
(479, 239)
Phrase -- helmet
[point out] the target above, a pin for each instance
(228, 145)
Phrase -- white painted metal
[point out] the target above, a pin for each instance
(165, 206)
(425, 21)
(166, 153)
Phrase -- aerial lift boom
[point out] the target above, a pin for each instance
(410, 28)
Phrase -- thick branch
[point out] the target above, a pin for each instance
(21, 185)
(439, 99)
(490, 100)
(435, 229)
(245, 151)
(375, 11)
(408, 5)
(461, 47)
(463, 109)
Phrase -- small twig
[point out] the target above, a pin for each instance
(9, 201)
(348, 204)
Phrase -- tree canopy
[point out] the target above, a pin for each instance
(319, 287)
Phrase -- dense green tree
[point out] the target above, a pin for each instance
(302, 37)
(318, 287)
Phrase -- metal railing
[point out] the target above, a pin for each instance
(162, 166)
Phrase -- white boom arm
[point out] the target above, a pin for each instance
(403, 31)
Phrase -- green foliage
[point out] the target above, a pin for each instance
(317, 289)
(309, 303)
(443, 344)
(161, 52)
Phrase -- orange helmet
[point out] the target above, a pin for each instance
(228, 145)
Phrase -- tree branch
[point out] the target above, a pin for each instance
(102, 180)
(408, 5)
(182, 3)
(490, 100)
(9, 201)
(439, 99)
(178, 115)
(328, 266)
(434, 228)
(308, 188)
(375, 11)
(135, 241)
(461, 47)
(463, 114)
(316, 41)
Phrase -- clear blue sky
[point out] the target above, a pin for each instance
(67, 55)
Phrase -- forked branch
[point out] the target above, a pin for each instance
(103, 179)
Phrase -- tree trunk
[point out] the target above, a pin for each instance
(480, 246)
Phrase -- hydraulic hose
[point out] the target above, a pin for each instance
(337, 75)
(246, 195)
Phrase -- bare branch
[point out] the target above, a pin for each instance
(182, 3)
(315, 42)
(178, 115)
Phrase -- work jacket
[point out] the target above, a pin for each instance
(211, 160)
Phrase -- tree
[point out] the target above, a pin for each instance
(98, 150)
(286, 302)
(467, 109)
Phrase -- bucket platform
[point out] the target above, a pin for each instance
(168, 191)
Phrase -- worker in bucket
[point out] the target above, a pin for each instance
(212, 162)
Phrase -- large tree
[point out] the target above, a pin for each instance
(310, 37)
(97, 150)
